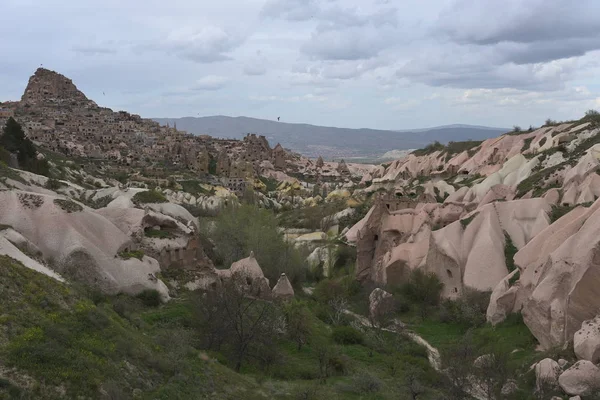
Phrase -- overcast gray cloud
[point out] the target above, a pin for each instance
(356, 63)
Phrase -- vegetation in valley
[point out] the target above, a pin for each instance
(149, 196)
(126, 255)
(450, 148)
(239, 230)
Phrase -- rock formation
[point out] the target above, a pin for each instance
(79, 243)
(248, 276)
(586, 341)
(283, 288)
(582, 379)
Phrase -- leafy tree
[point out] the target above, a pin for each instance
(423, 287)
(517, 128)
(13, 140)
(240, 230)
(297, 317)
(591, 112)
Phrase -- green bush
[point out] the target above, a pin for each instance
(347, 335)
(468, 310)
(54, 184)
(466, 221)
(240, 230)
(149, 196)
(158, 233)
(423, 288)
(509, 252)
(68, 205)
(150, 298)
(126, 255)
(330, 289)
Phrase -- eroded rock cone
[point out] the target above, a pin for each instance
(283, 288)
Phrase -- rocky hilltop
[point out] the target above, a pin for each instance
(59, 117)
(46, 88)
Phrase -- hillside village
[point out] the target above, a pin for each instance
(468, 270)
(55, 114)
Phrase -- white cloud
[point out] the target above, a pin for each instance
(205, 45)
(210, 82)
(255, 69)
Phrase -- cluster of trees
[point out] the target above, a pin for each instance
(14, 141)
(238, 230)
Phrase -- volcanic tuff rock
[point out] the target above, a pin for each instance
(547, 372)
(582, 379)
(248, 276)
(47, 86)
(283, 288)
(586, 341)
(59, 117)
(67, 241)
(464, 254)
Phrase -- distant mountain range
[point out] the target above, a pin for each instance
(330, 142)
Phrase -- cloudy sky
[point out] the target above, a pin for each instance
(389, 64)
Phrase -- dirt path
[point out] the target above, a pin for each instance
(433, 355)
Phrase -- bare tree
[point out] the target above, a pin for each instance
(337, 309)
(245, 326)
(413, 385)
(491, 373)
(459, 371)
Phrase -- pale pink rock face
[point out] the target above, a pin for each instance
(85, 242)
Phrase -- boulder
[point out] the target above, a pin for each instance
(283, 288)
(509, 387)
(586, 341)
(312, 237)
(322, 257)
(582, 379)
(380, 303)
(547, 372)
(575, 398)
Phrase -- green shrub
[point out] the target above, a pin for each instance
(468, 310)
(558, 211)
(423, 288)
(54, 184)
(195, 188)
(149, 196)
(68, 205)
(240, 230)
(158, 233)
(330, 289)
(150, 298)
(429, 149)
(509, 252)
(466, 221)
(347, 335)
(126, 255)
